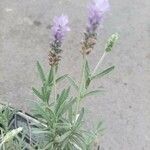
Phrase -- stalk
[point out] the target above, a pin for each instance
(54, 81)
(99, 63)
(82, 83)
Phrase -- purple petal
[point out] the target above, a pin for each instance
(60, 27)
(96, 11)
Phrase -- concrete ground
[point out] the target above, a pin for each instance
(125, 106)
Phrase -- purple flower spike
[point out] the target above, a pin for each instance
(96, 12)
(60, 27)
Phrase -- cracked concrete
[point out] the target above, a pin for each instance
(125, 106)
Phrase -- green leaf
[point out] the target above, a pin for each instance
(87, 75)
(99, 125)
(37, 93)
(10, 135)
(65, 145)
(60, 100)
(41, 72)
(94, 134)
(79, 134)
(87, 83)
(39, 131)
(65, 107)
(47, 93)
(50, 76)
(70, 114)
(50, 113)
(80, 117)
(6, 115)
(92, 93)
(87, 70)
(44, 113)
(78, 143)
(103, 73)
(48, 146)
(61, 138)
(63, 126)
(73, 83)
(61, 78)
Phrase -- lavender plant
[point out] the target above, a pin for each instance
(60, 113)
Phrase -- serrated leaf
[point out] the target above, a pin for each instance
(41, 72)
(103, 73)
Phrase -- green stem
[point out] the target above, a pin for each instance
(82, 84)
(54, 81)
(99, 63)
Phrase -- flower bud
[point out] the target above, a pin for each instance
(111, 41)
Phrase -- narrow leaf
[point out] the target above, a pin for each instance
(37, 93)
(38, 131)
(103, 73)
(78, 143)
(80, 117)
(62, 137)
(11, 134)
(73, 83)
(65, 107)
(50, 76)
(61, 99)
(87, 83)
(92, 93)
(61, 78)
(70, 114)
(87, 70)
(41, 72)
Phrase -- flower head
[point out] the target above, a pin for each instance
(111, 42)
(96, 12)
(60, 27)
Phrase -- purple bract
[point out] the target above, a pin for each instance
(96, 12)
(60, 27)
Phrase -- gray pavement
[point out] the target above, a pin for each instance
(125, 106)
